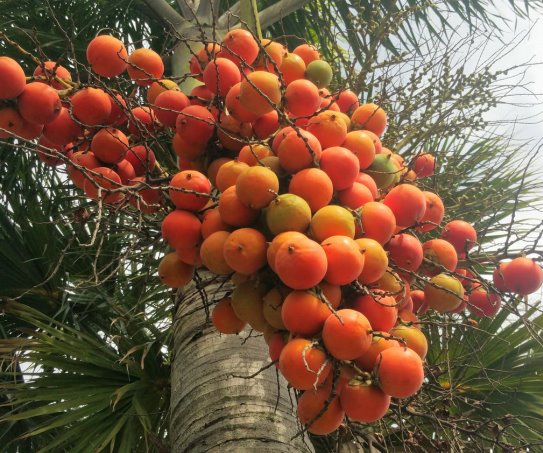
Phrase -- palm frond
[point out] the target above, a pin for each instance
(80, 390)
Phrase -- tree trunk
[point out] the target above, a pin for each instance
(212, 409)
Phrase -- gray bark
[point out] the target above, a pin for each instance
(212, 409)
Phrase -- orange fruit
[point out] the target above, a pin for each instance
(144, 65)
(224, 318)
(346, 334)
(12, 78)
(173, 272)
(245, 250)
(370, 117)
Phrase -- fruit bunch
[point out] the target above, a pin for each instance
(285, 187)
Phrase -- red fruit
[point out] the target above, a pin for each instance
(298, 150)
(461, 235)
(347, 101)
(11, 121)
(405, 251)
(144, 65)
(201, 58)
(181, 229)
(439, 254)
(433, 214)
(239, 45)
(190, 256)
(232, 134)
(224, 319)
(30, 131)
(345, 260)
(275, 346)
(39, 103)
(200, 95)
(91, 106)
(369, 182)
(303, 365)
(245, 250)
(12, 78)
(279, 137)
(186, 150)
(142, 159)
(84, 159)
(370, 117)
(378, 222)
(376, 141)
(419, 302)
(341, 165)
(301, 264)
(364, 403)
(522, 276)
(63, 129)
(278, 241)
(266, 124)
(106, 180)
(235, 108)
(302, 97)
(193, 192)
(346, 334)
(361, 144)
(52, 70)
(260, 92)
(142, 122)
(424, 165)
(307, 52)
(408, 204)
(314, 186)
(195, 124)
(483, 303)
(381, 312)
(379, 343)
(497, 277)
(400, 372)
(304, 312)
(117, 117)
(168, 106)
(107, 56)
(126, 171)
(311, 405)
(355, 196)
(220, 75)
(109, 145)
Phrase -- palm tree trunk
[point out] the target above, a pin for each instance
(212, 408)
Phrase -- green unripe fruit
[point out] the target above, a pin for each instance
(319, 72)
(383, 171)
(288, 212)
(444, 293)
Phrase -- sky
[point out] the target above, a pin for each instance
(529, 49)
